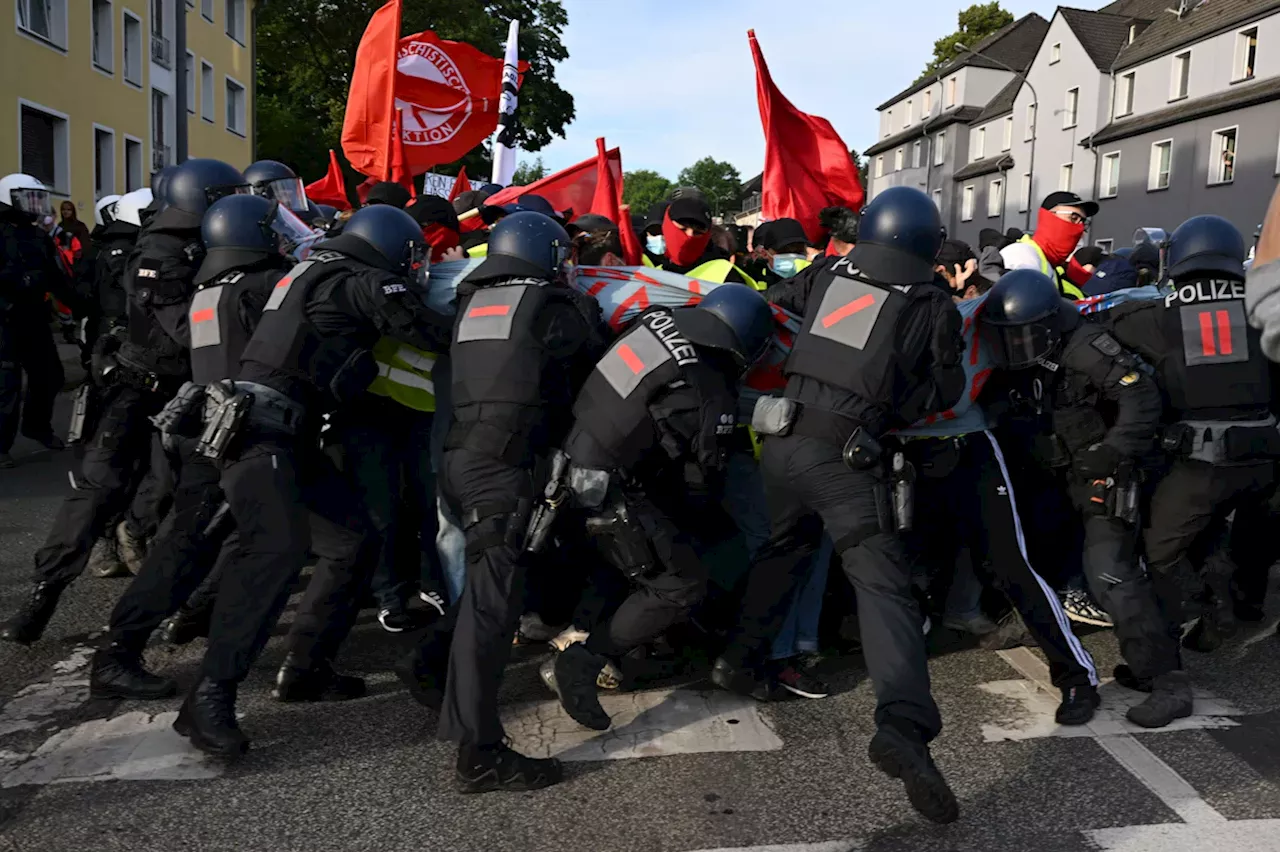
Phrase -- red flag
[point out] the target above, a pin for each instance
(460, 184)
(449, 94)
(362, 191)
(806, 164)
(330, 189)
(573, 189)
(400, 171)
(608, 203)
(367, 126)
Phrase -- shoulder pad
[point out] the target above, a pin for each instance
(325, 256)
(1106, 344)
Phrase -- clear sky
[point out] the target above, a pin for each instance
(671, 81)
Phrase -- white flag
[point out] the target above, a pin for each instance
(504, 138)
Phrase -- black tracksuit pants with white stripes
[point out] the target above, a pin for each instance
(965, 497)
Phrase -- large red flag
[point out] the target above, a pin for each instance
(573, 189)
(608, 203)
(401, 172)
(367, 126)
(806, 164)
(460, 184)
(448, 92)
(330, 189)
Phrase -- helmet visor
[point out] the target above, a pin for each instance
(295, 237)
(420, 267)
(290, 192)
(1017, 347)
(213, 193)
(33, 201)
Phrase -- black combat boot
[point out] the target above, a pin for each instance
(1170, 699)
(28, 624)
(319, 682)
(187, 625)
(208, 719)
(485, 769)
(425, 670)
(904, 755)
(117, 672)
(1126, 677)
(1079, 703)
(575, 677)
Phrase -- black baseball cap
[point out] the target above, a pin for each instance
(1070, 199)
(590, 223)
(432, 209)
(955, 252)
(386, 192)
(688, 204)
(782, 233)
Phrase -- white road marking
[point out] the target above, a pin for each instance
(130, 747)
(1249, 835)
(32, 706)
(645, 724)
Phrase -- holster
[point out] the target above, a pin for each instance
(862, 451)
(84, 413)
(546, 510)
(629, 542)
(904, 493)
(184, 414)
(226, 411)
(497, 526)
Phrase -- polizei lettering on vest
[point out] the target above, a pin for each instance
(663, 325)
(1206, 291)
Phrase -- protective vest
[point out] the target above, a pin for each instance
(1215, 361)
(613, 406)
(404, 374)
(644, 259)
(847, 338)
(1077, 404)
(159, 276)
(1065, 287)
(113, 258)
(718, 270)
(481, 250)
(218, 336)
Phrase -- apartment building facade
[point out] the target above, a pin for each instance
(93, 89)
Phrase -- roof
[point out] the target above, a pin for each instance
(1237, 97)
(754, 185)
(1100, 34)
(965, 115)
(915, 131)
(1001, 103)
(1167, 33)
(962, 115)
(998, 163)
(1015, 44)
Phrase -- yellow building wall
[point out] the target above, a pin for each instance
(209, 42)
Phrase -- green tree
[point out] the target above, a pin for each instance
(527, 172)
(974, 24)
(644, 188)
(860, 165)
(307, 50)
(719, 181)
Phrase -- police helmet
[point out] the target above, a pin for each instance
(327, 212)
(383, 236)
(130, 206)
(1020, 318)
(237, 230)
(899, 235)
(278, 182)
(26, 194)
(200, 182)
(525, 244)
(104, 212)
(1206, 245)
(732, 317)
(160, 185)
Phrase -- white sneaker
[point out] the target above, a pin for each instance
(1081, 607)
(569, 636)
(433, 600)
(391, 621)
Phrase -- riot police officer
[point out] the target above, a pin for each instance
(310, 353)
(650, 441)
(278, 182)
(241, 268)
(1222, 434)
(879, 348)
(1105, 411)
(148, 368)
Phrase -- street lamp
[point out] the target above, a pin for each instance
(1035, 110)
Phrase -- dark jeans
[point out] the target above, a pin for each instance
(26, 345)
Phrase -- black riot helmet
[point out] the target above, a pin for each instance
(732, 317)
(1206, 245)
(198, 183)
(160, 186)
(237, 230)
(278, 182)
(899, 235)
(382, 236)
(525, 245)
(1020, 318)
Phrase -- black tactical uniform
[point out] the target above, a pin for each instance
(311, 351)
(879, 349)
(654, 420)
(1221, 431)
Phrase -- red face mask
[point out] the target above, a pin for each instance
(440, 238)
(682, 249)
(1057, 237)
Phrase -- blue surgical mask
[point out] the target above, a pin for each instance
(786, 265)
(656, 244)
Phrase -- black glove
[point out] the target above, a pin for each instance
(102, 361)
(1098, 462)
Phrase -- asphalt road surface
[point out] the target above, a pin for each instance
(685, 768)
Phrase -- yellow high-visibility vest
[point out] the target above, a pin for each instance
(644, 260)
(1065, 287)
(718, 270)
(481, 250)
(404, 374)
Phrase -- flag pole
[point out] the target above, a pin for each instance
(504, 138)
(391, 97)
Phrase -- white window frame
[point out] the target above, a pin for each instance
(1024, 195)
(210, 98)
(899, 159)
(1183, 61)
(1125, 95)
(1071, 108)
(1153, 167)
(917, 154)
(1105, 245)
(61, 158)
(1109, 191)
(1055, 53)
(926, 103)
(1032, 109)
(888, 125)
(1215, 156)
(108, 70)
(58, 25)
(111, 190)
(978, 149)
(1006, 141)
(995, 198)
(940, 148)
(953, 91)
(144, 55)
(191, 84)
(142, 153)
(243, 132)
(880, 166)
(241, 37)
(1238, 54)
(967, 200)
(1278, 159)
(911, 115)
(937, 199)
(1068, 171)
(206, 4)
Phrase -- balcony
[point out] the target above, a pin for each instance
(160, 156)
(161, 54)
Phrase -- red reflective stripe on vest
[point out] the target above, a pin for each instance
(1224, 331)
(859, 304)
(202, 315)
(630, 358)
(490, 311)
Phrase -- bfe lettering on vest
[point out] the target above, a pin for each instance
(1206, 291)
(663, 324)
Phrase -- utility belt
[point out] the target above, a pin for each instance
(217, 413)
(513, 448)
(1223, 441)
(586, 487)
(1117, 496)
(139, 376)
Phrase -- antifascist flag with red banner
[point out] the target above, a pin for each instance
(806, 165)
(571, 190)
(332, 188)
(367, 126)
